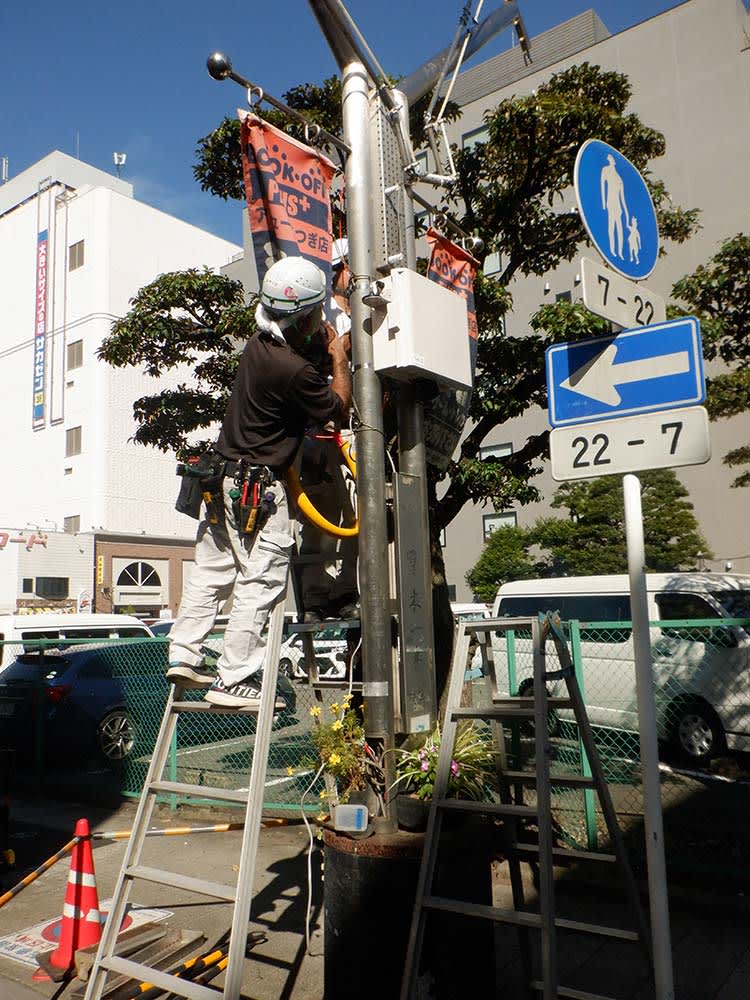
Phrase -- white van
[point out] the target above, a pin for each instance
(701, 675)
(15, 630)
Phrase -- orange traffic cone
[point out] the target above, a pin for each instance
(81, 921)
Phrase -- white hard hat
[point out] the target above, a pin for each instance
(292, 285)
(339, 252)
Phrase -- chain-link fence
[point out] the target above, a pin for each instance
(701, 672)
(83, 716)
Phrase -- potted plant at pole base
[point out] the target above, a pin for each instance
(345, 757)
(472, 773)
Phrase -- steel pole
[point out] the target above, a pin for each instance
(373, 540)
(652, 814)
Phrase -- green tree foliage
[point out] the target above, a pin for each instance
(591, 538)
(191, 321)
(504, 557)
(719, 294)
(510, 191)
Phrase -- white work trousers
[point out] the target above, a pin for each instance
(254, 568)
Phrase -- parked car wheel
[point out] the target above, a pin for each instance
(116, 735)
(697, 733)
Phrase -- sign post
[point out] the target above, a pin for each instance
(622, 404)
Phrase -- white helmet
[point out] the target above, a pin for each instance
(292, 285)
(339, 251)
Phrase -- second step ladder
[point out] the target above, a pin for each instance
(510, 808)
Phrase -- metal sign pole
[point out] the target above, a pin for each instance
(652, 814)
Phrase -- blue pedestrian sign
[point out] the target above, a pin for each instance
(616, 209)
(657, 367)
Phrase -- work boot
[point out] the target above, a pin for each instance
(190, 675)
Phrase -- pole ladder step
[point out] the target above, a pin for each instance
(544, 920)
(133, 870)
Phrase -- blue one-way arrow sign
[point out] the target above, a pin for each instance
(649, 368)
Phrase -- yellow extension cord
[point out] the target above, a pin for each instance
(305, 505)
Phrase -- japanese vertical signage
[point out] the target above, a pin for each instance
(40, 330)
(287, 190)
(453, 268)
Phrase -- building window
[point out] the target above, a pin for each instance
(492, 265)
(139, 574)
(72, 524)
(28, 585)
(451, 591)
(563, 297)
(72, 441)
(491, 522)
(75, 355)
(496, 450)
(52, 587)
(470, 139)
(75, 256)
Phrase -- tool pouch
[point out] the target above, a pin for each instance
(202, 481)
(251, 508)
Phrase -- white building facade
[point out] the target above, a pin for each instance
(75, 246)
(690, 72)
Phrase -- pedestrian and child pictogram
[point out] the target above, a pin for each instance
(616, 209)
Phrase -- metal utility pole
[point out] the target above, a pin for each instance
(373, 549)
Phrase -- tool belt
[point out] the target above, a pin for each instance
(203, 482)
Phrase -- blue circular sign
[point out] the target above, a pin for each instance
(617, 209)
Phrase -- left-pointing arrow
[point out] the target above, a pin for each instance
(598, 378)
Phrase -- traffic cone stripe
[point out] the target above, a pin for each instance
(94, 916)
(81, 878)
(72, 911)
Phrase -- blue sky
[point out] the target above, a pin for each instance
(93, 77)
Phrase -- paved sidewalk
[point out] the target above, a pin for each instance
(710, 933)
(279, 968)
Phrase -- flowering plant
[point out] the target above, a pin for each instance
(342, 748)
(473, 766)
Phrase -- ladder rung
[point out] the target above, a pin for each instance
(521, 918)
(208, 708)
(561, 780)
(524, 702)
(611, 932)
(482, 910)
(568, 854)
(570, 994)
(176, 881)
(495, 711)
(491, 808)
(200, 791)
(343, 683)
(166, 982)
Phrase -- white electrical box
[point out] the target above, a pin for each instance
(421, 330)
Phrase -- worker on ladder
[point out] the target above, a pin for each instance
(244, 540)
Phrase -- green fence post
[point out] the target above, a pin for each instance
(511, 651)
(589, 806)
(515, 729)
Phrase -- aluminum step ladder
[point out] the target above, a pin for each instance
(513, 811)
(241, 894)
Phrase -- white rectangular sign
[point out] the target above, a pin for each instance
(663, 440)
(619, 299)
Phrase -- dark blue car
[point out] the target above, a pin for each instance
(104, 700)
